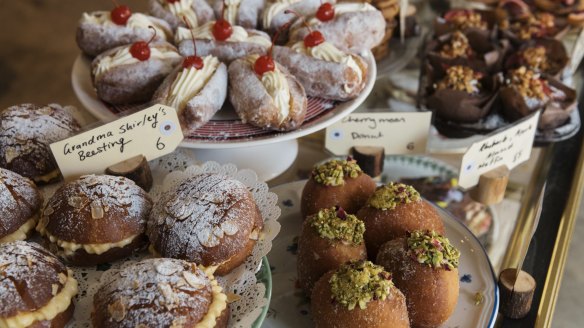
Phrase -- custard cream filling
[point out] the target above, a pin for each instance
(328, 52)
(70, 247)
(217, 306)
(205, 32)
(136, 20)
(58, 304)
(189, 82)
(274, 9)
(344, 8)
(277, 87)
(124, 57)
(231, 9)
(182, 8)
(21, 232)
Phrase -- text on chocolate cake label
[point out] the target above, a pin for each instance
(398, 133)
(152, 132)
(509, 147)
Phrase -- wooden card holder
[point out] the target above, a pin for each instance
(491, 187)
(370, 159)
(135, 169)
(516, 293)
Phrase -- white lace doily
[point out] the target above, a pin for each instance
(240, 285)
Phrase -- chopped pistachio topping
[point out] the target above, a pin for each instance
(464, 19)
(479, 298)
(433, 249)
(528, 83)
(357, 283)
(389, 196)
(457, 46)
(334, 172)
(336, 224)
(535, 58)
(460, 78)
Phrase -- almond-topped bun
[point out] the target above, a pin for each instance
(323, 70)
(394, 210)
(160, 293)
(97, 32)
(208, 219)
(336, 183)
(354, 26)
(235, 43)
(95, 219)
(245, 13)
(329, 239)
(196, 93)
(196, 12)
(20, 203)
(36, 289)
(358, 294)
(26, 132)
(273, 100)
(424, 267)
(122, 75)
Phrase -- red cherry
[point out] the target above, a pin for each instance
(121, 14)
(325, 12)
(222, 30)
(313, 39)
(264, 64)
(193, 61)
(140, 50)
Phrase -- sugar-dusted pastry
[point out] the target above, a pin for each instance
(37, 290)
(424, 266)
(26, 131)
(354, 26)
(265, 94)
(196, 89)
(245, 13)
(160, 293)
(358, 294)
(394, 210)
(196, 12)
(21, 203)
(131, 73)
(209, 219)
(222, 40)
(279, 13)
(95, 219)
(336, 183)
(99, 31)
(329, 239)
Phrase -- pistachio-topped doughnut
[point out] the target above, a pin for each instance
(160, 293)
(425, 268)
(209, 219)
(36, 289)
(336, 183)
(358, 294)
(96, 219)
(329, 239)
(20, 203)
(392, 211)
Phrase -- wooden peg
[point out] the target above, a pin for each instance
(135, 169)
(516, 294)
(370, 159)
(491, 187)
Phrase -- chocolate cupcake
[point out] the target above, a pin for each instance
(478, 24)
(26, 131)
(568, 8)
(21, 203)
(518, 24)
(526, 91)
(547, 56)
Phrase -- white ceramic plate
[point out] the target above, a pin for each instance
(225, 130)
(289, 308)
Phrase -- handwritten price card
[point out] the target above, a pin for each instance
(509, 147)
(152, 132)
(398, 133)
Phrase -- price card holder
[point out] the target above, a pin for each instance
(151, 133)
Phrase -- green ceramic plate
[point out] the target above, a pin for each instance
(264, 276)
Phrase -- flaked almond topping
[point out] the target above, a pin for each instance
(460, 78)
(62, 278)
(97, 211)
(232, 297)
(136, 284)
(168, 294)
(10, 154)
(54, 289)
(76, 202)
(193, 280)
(179, 322)
(117, 310)
(167, 268)
(29, 261)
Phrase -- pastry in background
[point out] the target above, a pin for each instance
(358, 294)
(548, 56)
(37, 289)
(95, 219)
(21, 203)
(336, 183)
(196, 12)
(329, 239)
(279, 13)
(245, 13)
(26, 132)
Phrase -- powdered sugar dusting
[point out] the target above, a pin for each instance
(27, 275)
(19, 201)
(155, 293)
